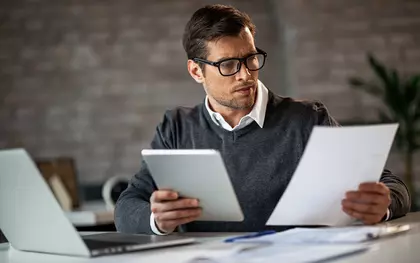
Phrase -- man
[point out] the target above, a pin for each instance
(260, 135)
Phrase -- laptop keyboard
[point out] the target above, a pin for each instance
(98, 244)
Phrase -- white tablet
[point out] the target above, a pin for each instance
(197, 174)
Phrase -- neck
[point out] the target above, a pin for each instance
(231, 116)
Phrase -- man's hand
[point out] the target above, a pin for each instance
(369, 204)
(170, 212)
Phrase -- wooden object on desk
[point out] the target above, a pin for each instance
(61, 193)
(64, 168)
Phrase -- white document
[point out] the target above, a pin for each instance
(336, 160)
(299, 254)
(279, 253)
(329, 235)
(219, 252)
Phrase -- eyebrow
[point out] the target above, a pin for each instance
(247, 54)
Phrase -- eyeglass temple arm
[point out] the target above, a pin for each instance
(205, 61)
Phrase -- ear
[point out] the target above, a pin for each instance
(195, 71)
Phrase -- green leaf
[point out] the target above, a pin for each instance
(399, 140)
(361, 84)
(396, 90)
(414, 108)
(383, 117)
(372, 89)
(391, 85)
(412, 89)
(400, 96)
(379, 69)
(357, 82)
(417, 115)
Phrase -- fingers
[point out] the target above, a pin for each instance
(364, 208)
(168, 221)
(379, 188)
(178, 214)
(366, 218)
(368, 197)
(171, 211)
(170, 225)
(185, 203)
(369, 204)
(163, 195)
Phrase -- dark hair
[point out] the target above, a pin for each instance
(210, 23)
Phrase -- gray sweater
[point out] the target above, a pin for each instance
(259, 161)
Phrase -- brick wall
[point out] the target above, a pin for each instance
(328, 41)
(331, 39)
(91, 79)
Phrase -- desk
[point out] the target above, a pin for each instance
(404, 248)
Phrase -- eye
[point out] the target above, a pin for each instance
(254, 62)
(252, 59)
(229, 64)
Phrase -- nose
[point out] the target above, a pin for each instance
(243, 73)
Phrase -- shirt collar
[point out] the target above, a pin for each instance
(258, 111)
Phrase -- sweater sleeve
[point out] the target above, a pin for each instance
(132, 210)
(400, 197)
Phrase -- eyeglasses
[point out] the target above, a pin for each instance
(231, 66)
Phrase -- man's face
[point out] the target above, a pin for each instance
(237, 91)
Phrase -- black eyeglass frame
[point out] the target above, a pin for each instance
(241, 60)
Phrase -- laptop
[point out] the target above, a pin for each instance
(32, 219)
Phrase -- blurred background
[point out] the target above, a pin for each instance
(88, 81)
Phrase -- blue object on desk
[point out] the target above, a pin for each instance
(254, 235)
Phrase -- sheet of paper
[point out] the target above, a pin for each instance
(298, 254)
(336, 160)
(219, 252)
(328, 235)
(283, 253)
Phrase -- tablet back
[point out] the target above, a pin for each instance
(197, 174)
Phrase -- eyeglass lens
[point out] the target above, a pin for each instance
(231, 66)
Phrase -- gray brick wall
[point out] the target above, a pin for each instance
(91, 79)
(331, 40)
(328, 41)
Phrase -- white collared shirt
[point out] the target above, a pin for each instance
(257, 113)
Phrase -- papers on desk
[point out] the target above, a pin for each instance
(218, 251)
(296, 254)
(296, 245)
(274, 253)
(336, 160)
(328, 235)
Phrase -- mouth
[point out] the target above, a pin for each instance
(245, 90)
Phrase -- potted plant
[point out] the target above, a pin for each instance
(401, 96)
